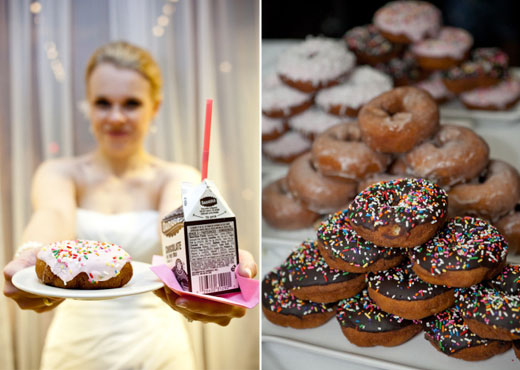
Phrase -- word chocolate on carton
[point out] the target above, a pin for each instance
(199, 241)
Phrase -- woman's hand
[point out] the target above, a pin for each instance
(26, 301)
(194, 308)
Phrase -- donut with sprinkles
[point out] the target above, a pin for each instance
(310, 278)
(466, 251)
(282, 308)
(448, 333)
(399, 291)
(369, 45)
(492, 309)
(83, 264)
(364, 324)
(344, 249)
(399, 213)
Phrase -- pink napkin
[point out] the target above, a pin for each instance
(247, 297)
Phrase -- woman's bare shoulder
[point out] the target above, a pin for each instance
(173, 170)
(60, 166)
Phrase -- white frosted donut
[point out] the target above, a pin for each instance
(272, 128)
(314, 121)
(452, 43)
(287, 147)
(282, 101)
(364, 84)
(413, 20)
(501, 96)
(315, 63)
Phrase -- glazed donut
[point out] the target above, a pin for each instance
(464, 252)
(487, 67)
(436, 88)
(282, 308)
(310, 278)
(314, 64)
(446, 50)
(364, 84)
(369, 45)
(398, 120)
(320, 194)
(509, 226)
(454, 155)
(287, 147)
(405, 22)
(273, 128)
(83, 264)
(281, 210)
(314, 121)
(500, 97)
(339, 151)
(399, 213)
(366, 325)
(448, 333)
(399, 291)
(344, 249)
(282, 101)
(492, 309)
(375, 178)
(495, 194)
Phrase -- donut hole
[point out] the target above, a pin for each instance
(312, 55)
(517, 208)
(393, 108)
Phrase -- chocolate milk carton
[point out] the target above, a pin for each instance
(199, 241)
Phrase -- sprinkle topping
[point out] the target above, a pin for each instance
(368, 40)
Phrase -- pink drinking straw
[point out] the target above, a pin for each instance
(207, 134)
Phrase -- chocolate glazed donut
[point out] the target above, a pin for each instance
(339, 151)
(455, 154)
(398, 120)
(495, 194)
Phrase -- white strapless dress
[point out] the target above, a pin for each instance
(135, 332)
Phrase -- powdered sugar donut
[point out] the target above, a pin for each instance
(314, 121)
(491, 196)
(407, 21)
(364, 84)
(273, 128)
(315, 63)
(83, 264)
(286, 148)
(436, 88)
(282, 101)
(500, 97)
(369, 45)
(449, 48)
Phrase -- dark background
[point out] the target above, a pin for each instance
(492, 23)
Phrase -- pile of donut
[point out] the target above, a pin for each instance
(394, 264)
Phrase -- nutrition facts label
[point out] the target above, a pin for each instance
(213, 255)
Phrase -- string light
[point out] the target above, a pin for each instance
(164, 19)
(35, 7)
(55, 62)
(225, 67)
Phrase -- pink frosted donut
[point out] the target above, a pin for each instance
(273, 128)
(500, 97)
(364, 84)
(398, 120)
(314, 121)
(454, 155)
(436, 88)
(315, 63)
(318, 193)
(282, 101)
(493, 194)
(405, 22)
(287, 147)
(339, 151)
(448, 49)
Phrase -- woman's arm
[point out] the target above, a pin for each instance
(53, 198)
(193, 308)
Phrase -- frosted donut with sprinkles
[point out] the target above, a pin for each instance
(399, 213)
(466, 251)
(83, 264)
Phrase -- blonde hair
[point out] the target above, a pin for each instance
(125, 55)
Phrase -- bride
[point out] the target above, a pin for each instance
(115, 194)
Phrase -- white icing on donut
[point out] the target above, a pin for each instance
(68, 258)
(282, 97)
(364, 84)
(414, 19)
(316, 60)
(435, 87)
(270, 125)
(287, 145)
(314, 121)
(498, 96)
(452, 42)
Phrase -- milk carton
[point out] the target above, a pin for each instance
(199, 241)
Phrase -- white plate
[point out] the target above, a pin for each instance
(143, 280)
